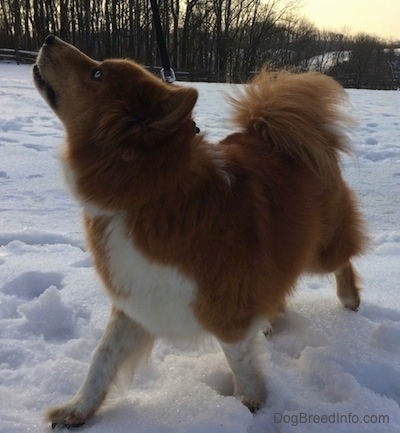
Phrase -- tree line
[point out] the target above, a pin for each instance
(215, 40)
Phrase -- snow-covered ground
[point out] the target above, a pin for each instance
(328, 369)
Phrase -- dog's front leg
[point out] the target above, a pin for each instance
(249, 382)
(122, 338)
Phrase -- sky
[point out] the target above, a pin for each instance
(378, 18)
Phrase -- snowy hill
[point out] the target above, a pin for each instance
(328, 369)
(325, 62)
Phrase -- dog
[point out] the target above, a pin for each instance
(193, 238)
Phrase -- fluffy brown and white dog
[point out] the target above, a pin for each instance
(191, 237)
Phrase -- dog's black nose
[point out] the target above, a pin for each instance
(50, 40)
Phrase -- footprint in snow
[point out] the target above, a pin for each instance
(4, 139)
(36, 147)
(30, 285)
(293, 332)
(51, 317)
(385, 335)
(379, 314)
(371, 141)
(84, 263)
(34, 176)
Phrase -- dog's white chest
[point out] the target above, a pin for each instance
(156, 296)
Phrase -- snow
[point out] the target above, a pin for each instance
(327, 369)
(324, 62)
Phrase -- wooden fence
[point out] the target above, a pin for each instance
(18, 56)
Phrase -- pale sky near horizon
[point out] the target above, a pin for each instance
(379, 17)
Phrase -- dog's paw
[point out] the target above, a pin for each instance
(67, 416)
(267, 330)
(55, 426)
(352, 303)
(254, 405)
(254, 398)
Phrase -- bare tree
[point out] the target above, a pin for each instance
(213, 39)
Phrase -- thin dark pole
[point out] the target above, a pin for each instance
(167, 72)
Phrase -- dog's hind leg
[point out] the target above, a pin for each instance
(249, 381)
(348, 289)
(122, 338)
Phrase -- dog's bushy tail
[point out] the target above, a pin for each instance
(298, 114)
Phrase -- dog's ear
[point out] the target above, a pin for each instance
(176, 108)
(124, 132)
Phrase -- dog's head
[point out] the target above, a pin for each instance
(117, 100)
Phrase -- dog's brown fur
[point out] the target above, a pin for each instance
(242, 218)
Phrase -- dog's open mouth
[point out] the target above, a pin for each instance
(44, 87)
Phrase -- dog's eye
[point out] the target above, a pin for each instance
(97, 74)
